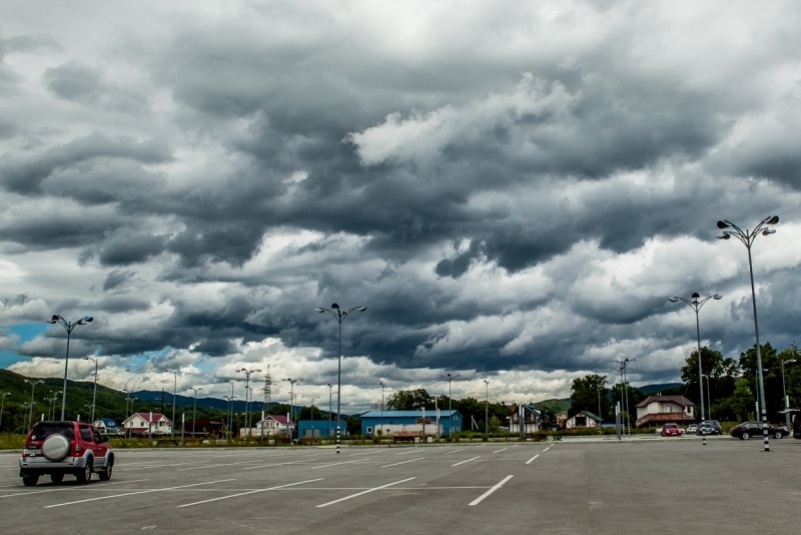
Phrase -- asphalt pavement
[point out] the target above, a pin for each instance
(680, 486)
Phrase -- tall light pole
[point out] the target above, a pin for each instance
(194, 410)
(94, 396)
(382, 405)
(450, 378)
(230, 400)
(233, 397)
(2, 406)
(339, 314)
(292, 401)
(486, 407)
(247, 388)
(174, 391)
(330, 407)
(69, 326)
(33, 384)
(695, 302)
(708, 395)
(747, 238)
(784, 389)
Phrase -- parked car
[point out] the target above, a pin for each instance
(671, 430)
(658, 430)
(746, 430)
(65, 448)
(692, 428)
(709, 427)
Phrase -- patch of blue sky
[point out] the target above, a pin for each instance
(7, 358)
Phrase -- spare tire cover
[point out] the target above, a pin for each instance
(55, 448)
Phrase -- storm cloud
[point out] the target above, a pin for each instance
(512, 188)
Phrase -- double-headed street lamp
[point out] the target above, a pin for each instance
(450, 378)
(69, 326)
(33, 384)
(784, 390)
(747, 238)
(94, 396)
(247, 397)
(695, 302)
(292, 403)
(340, 314)
(2, 406)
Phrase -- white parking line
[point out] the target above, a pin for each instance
(455, 451)
(403, 462)
(251, 492)
(500, 450)
(529, 461)
(217, 465)
(366, 492)
(490, 491)
(467, 461)
(279, 464)
(546, 449)
(363, 453)
(70, 488)
(407, 452)
(140, 492)
(137, 467)
(337, 464)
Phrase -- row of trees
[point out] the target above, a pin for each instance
(471, 409)
(732, 386)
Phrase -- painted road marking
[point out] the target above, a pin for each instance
(366, 492)
(279, 464)
(336, 464)
(71, 488)
(140, 492)
(546, 449)
(363, 453)
(490, 491)
(251, 492)
(407, 452)
(529, 461)
(467, 461)
(217, 465)
(500, 450)
(455, 451)
(403, 462)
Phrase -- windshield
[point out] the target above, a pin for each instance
(42, 430)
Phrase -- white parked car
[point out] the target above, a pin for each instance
(659, 430)
(692, 428)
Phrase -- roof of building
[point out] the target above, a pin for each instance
(156, 417)
(588, 414)
(408, 414)
(107, 422)
(280, 418)
(679, 400)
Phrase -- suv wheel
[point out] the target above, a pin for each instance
(105, 475)
(30, 481)
(85, 476)
(745, 436)
(777, 434)
(56, 478)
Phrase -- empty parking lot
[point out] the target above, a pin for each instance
(728, 486)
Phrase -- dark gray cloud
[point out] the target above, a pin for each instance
(498, 203)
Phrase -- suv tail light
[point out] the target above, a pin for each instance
(76, 449)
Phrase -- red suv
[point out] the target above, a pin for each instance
(59, 448)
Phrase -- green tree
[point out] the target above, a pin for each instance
(585, 394)
(635, 396)
(410, 400)
(722, 372)
(771, 374)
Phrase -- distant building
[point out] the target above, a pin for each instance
(393, 422)
(107, 426)
(273, 424)
(205, 427)
(664, 409)
(143, 423)
(534, 419)
(583, 420)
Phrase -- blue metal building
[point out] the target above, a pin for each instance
(319, 428)
(373, 419)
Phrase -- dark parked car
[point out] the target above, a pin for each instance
(709, 427)
(746, 430)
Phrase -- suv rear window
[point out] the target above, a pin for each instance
(42, 430)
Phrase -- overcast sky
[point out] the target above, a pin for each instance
(513, 189)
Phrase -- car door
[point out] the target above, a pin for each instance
(100, 448)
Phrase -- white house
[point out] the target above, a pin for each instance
(533, 419)
(273, 424)
(583, 420)
(664, 409)
(143, 423)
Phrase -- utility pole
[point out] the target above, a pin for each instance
(486, 408)
(450, 378)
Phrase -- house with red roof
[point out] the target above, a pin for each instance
(660, 410)
(144, 423)
(273, 424)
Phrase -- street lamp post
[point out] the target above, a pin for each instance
(230, 400)
(784, 390)
(339, 314)
(247, 388)
(450, 378)
(695, 302)
(194, 410)
(747, 238)
(33, 384)
(2, 406)
(174, 392)
(486, 408)
(69, 326)
(330, 407)
(708, 395)
(382, 405)
(292, 403)
(94, 395)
